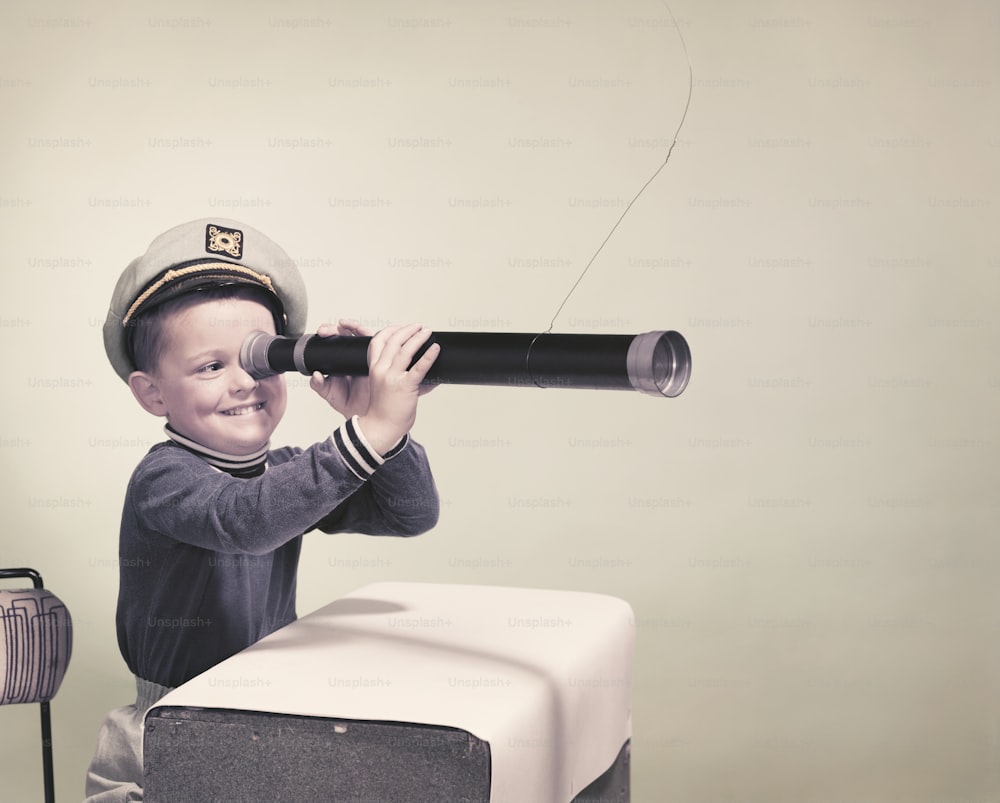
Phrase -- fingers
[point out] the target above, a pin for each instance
(345, 327)
(318, 383)
(348, 327)
(420, 368)
(332, 388)
(393, 350)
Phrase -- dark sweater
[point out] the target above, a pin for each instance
(208, 561)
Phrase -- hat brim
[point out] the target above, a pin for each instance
(184, 279)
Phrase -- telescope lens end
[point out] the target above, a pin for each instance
(253, 355)
(659, 363)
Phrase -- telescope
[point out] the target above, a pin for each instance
(656, 363)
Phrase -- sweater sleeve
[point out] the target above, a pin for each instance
(178, 495)
(400, 499)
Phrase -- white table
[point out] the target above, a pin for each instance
(542, 676)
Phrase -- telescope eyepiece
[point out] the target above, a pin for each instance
(253, 355)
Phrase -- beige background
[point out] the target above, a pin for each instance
(806, 535)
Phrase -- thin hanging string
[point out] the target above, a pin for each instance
(642, 189)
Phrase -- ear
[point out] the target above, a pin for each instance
(146, 392)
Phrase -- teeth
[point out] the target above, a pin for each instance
(253, 408)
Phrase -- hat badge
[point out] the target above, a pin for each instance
(220, 240)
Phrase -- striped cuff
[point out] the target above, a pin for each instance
(357, 453)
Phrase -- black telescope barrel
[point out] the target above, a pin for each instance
(658, 363)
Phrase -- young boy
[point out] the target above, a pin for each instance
(213, 517)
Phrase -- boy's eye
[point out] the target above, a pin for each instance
(210, 367)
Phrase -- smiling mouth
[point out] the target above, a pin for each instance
(246, 410)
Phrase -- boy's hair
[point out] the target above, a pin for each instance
(146, 333)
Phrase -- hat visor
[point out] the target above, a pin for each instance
(185, 279)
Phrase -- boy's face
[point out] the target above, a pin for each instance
(200, 386)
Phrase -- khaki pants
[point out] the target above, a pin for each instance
(115, 773)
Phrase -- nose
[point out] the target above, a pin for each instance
(242, 381)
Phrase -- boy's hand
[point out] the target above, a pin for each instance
(348, 395)
(386, 400)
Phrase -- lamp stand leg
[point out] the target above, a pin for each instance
(47, 772)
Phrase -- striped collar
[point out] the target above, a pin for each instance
(243, 466)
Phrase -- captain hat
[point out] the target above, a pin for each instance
(210, 252)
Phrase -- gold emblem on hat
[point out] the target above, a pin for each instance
(224, 241)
